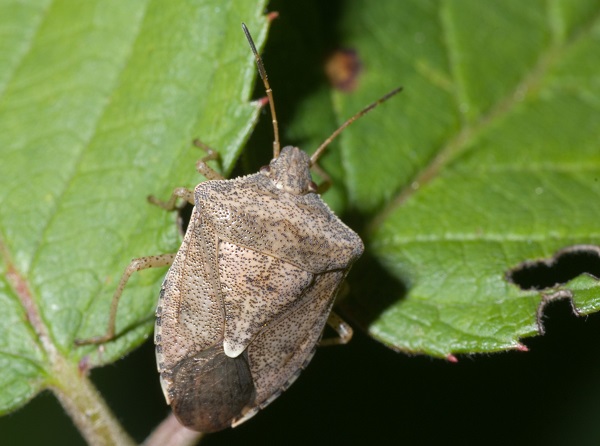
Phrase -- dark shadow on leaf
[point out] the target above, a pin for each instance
(372, 291)
(184, 213)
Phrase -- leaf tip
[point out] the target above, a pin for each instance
(272, 16)
(451, 358)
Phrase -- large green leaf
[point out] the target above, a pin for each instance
(100, 102)
(490, 158)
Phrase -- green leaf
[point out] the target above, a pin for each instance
(490, 158)
(100, 102)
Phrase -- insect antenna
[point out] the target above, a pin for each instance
(265, 79)
(315, 156)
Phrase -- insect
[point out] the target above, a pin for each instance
(247, 296)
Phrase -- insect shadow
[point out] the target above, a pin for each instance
(370, 292)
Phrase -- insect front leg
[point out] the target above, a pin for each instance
(187, 194)
(343, 329)
(204, 168)
(135, 265)
(171, 203)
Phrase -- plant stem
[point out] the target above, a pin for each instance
(69, 383)
(86, 407)
(171, 433)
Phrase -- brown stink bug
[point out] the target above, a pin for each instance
(248, 294)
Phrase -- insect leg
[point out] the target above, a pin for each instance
(204, 168)
(135, 265)
(171, 203)
(343, 330)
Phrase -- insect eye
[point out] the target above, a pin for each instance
(265, 169)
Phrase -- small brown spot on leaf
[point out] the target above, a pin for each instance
(342, 69)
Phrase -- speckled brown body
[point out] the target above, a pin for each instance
(249, 292)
